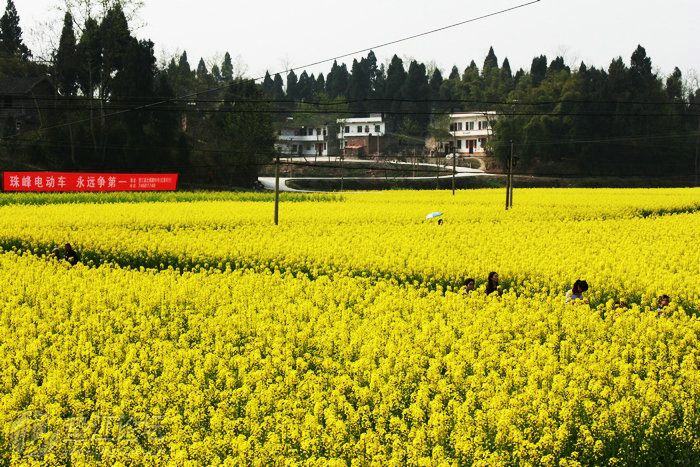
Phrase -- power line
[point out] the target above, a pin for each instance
(621, 139)
(271, 111)
(158, 100)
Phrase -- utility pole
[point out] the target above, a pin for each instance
(342, 155)
(509, 177)
(697, 153)
(510, 174)
(437, 166)
(510, 160)
(454, 159)
(277, 188)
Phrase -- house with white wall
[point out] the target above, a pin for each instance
(354, 136)
(470, 132)
(302, 141)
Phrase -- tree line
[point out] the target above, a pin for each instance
(626, 119)
(115, 108)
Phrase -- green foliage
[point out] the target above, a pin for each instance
(227, 68)
(66, 60)
(11, 43)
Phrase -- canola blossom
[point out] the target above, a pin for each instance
(196, 332)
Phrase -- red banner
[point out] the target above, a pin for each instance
(66, 181)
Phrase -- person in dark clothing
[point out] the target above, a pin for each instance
(469, 285)
(576, 292)
(55, 254)
(71, 255)
(663, 303)
(492, 284)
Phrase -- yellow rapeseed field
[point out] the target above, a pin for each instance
(194, 331)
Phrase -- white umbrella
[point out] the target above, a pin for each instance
(433, 215)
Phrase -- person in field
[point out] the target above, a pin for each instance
(663, 303)
(55, 254)
(71, 255)
(492, 283)
(469, 285)
(577, 291)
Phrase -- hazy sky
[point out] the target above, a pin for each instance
(272, 34)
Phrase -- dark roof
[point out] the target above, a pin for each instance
(21, 86)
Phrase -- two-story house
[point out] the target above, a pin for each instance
(470, 133)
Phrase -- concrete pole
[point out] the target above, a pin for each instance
(454, 161)
(509, 167)
(512, 175)
(277, 189)
(697, 153)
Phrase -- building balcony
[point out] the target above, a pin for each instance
(301, 139)
(471, 133)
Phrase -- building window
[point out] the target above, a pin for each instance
(377, 128)
(294, 148)
(325, 146)
(459, 144)
(366, 128)
(347, 129)
(359, 129)
(325, 132)
(471, 126)
(459, 126)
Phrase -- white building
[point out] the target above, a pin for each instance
(360, 135)
(302, 142)
(470, 132)
(373, 125)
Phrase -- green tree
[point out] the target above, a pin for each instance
(216, 73)
(66, 60)
(506, 78)
(278, 89)
(538, 70)
(436, 81)
(11, 42)
(292, 86)
(202, 72)
(674, 86)
(558, 66)
(320, 85)
(227, 68)
(490, 62)
(305, 86)
(241, 139)
(89, 56)
(416, 90)
(337, 80)
(359, 88)
(395, 79)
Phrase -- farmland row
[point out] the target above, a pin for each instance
(113, 365)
